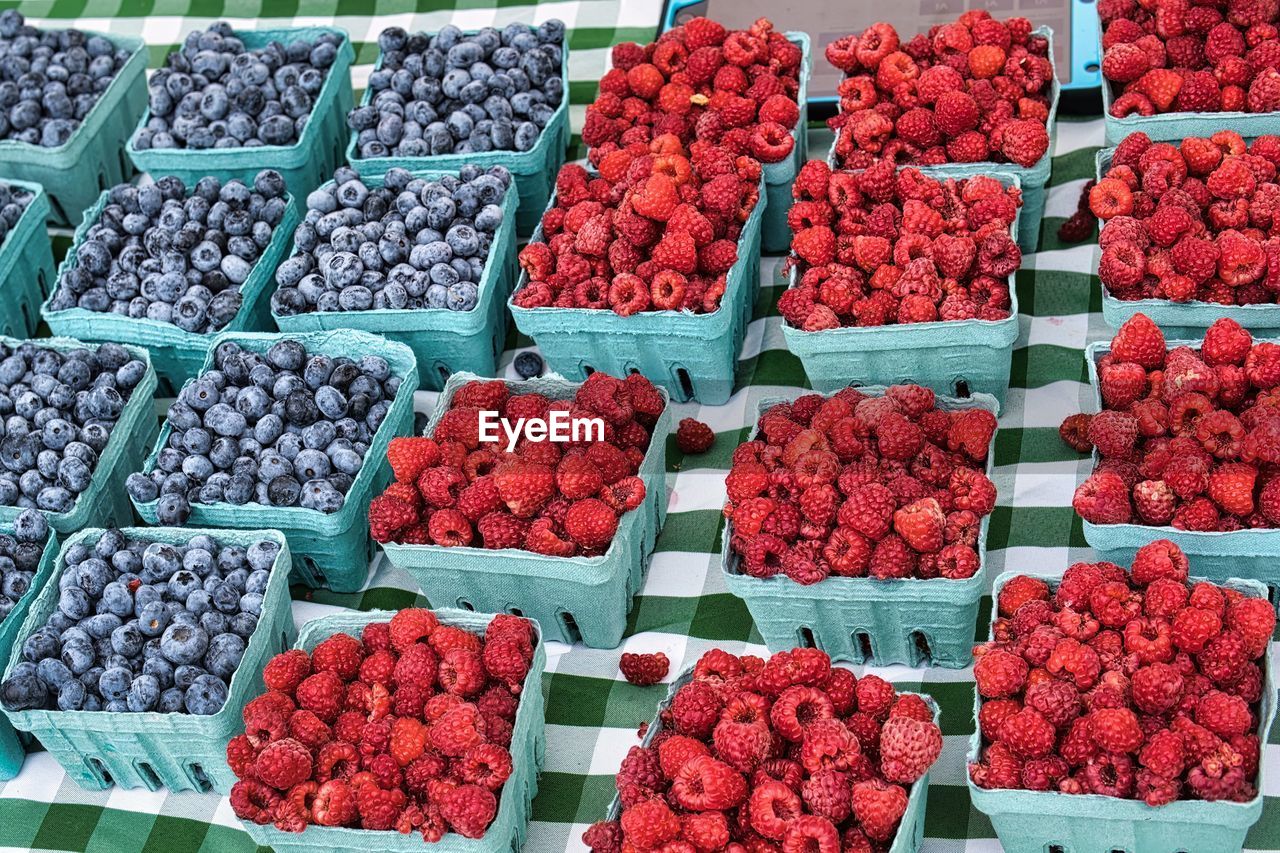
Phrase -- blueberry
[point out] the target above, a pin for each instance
(225, 652)
(114, 683)
(528, 364)
(171, 701)
(53, 672)
(30, 526)
(141, 488)
(23, 693)
(72, 696)
(144, 693)
(127, 640)
(173, 510)
(184, 644)
(206, 695)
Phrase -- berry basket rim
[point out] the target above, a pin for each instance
(917, 791)
(146, 721)
(402, 363)
(534, 564)
(261, 273)
(919, 335)
(535, 157)
(382, 320)
(18, 152)
(229, 158)
(1058, 804)
(132, 412)
(964, 590)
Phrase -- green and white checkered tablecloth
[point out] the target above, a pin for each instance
(684, 608)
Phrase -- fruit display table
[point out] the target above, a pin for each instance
(592, 714)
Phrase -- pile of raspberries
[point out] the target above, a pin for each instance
(656, 230)
(1134, 684)
(562, 499)
(1188, 438)
(791, 751)
(972, 91)
(1203, 57)
(855, 486)
(1191, 221)
(890, 245)
(407, 728)
(699, 81)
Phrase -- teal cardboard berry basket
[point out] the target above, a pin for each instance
(534, 170)
(182, 752)
(329, 550)
(1218, 556)
(1033, 180)
(26, 265)
(775, 234)
(105, 503)
(93, 159)
(176, 354)
(692, 356)
(444, 342)
(13, 750)
(305, 164)
(1182, 319)
(866, 620)
(574, 599)
(1038, 821)
(1175, 127)
(955, 357)
(528, 747)
(910, 833)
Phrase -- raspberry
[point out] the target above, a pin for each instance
(878, 807)
(1024, 142)
(920, 524)
(1074, 431)
(1124, 62)
(1139, 340)
(1018, 591)
(411, 626)
(1028, 734)
(650, 824)
(693, 436)
(1103, 499)
(999, 673)
(971, 432)
(524, 486)
(283, 764)
(410, 456)
(591, 523)
(644, 670)
(322, 694)
(286, 671)
(254, 801)
(908, 748)
(388, 516)
(1115, 729)
(706, 784)
(1223, 714)
(827, 794)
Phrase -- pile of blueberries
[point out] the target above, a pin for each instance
(13, 202)
(58, 410)
(20, 553)
(159, 253)
(410, 243)
(281, 429)
(143, 626)
(50, 79)
(216, 93)
(461, 94)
